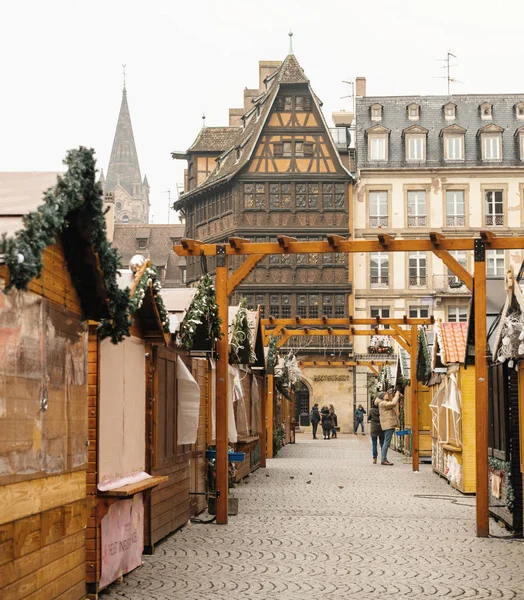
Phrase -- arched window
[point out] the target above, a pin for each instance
(125, 219)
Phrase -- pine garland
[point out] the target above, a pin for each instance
(150, 278)
(272, 353)
(203, 310)
(423, 373)
(77, 194)
(503, 470)
(240, 346)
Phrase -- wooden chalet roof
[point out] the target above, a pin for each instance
(452, 341)
(229, 163)
(215, 139)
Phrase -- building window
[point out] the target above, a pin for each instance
(308, 305)
(125, 219)
(521, 143)
(491, 146)
(118, 205)
(307, 196)
(379, 269)
(380, 311)
(457, 314)
(286, 148)
(454, 147)
(495, 263)
(280, 196)
(376, 112)
(486, 111)
(494, 204)
(255, 196)
(378, 209)
(288, 103)
(418, 312)
(519, 110)
(377, 147)
(280, 306)
(416, 147)
(311, 258)
(333, 196)
(417, 208)
(450, 111)
(142, 243)
(418, 276)
(340, 305)
(455, 208)
(299, 148)
(413, 112)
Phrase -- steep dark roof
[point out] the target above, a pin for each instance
(229, 162)
(159, 247)
(215, 139)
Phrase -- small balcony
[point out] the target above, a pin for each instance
(420, 281)
(456, 221)
(449, 284)
(494, 220)
(377, 222)
(379, 282)
(417, 221)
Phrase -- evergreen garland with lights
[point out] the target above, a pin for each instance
(77, 191)
(240, 347)
(150, 278)
(203, 310)
(503, 470)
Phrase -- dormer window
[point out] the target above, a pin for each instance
(238, 152)
(453, 140)
(413, 112)
(141, 243)
(486, 111)
(491, 142)
(378, 138)
(450, 111)
(415, 137)
(519, 134)
(376, 112)
(519, 110)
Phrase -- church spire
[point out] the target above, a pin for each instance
(123, 165)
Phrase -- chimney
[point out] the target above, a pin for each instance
(360, 87)
(248, 98)
(235, 117)
(265, 68)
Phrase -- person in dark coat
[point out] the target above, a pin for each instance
(327, 422)
(375, 429)
(334, 421)
(315, 419)
(359, 419)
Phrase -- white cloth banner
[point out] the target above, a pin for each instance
(188, 404)
(232, 394)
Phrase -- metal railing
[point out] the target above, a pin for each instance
(494, 220)
(379, 282)
(419, 281)
(417, 221)
(448, 284)
(375, 222)
(456, 221)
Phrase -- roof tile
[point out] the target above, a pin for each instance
(453, 338)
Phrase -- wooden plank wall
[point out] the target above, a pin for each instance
(93, 535)
(200, 370)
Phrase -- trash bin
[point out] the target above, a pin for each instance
(304, 420)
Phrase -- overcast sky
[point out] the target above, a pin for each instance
(61, 73)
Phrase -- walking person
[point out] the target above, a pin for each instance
(327, 423)
(375, 430)
(315, 419)
(388, 421)
(359, 419)
(334, 420)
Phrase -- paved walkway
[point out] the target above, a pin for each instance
(322, 521)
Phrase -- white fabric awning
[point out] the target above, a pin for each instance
(188, 404)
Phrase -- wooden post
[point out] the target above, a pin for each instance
(269, 415)
(221, 389)
(263, 432)
(481, 389)
(414, 398)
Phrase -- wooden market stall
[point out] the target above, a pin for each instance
(56, 271)
(453, 407)
(506, 411)
(247, 368)
(118, 402)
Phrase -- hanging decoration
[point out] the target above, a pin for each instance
(423, 373)
(380, 344)
(149, 279)
(240, 346)
(77, 191)
(203, 310)
(512, 344)
(287, 373)
(502, 469)
(272, 353)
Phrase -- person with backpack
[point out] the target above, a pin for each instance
(359, 419)
(327, 422)
(314, 417)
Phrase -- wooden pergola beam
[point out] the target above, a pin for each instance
(335, 240)
(288, 245)
(243, 270)
(438, 240)
(402, 333)
(344, 322)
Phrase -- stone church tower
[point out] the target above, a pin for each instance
(131, 193)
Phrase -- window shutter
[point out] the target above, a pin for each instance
(278, 149)
(308, 148)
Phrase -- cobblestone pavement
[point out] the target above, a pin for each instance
(322, 521)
